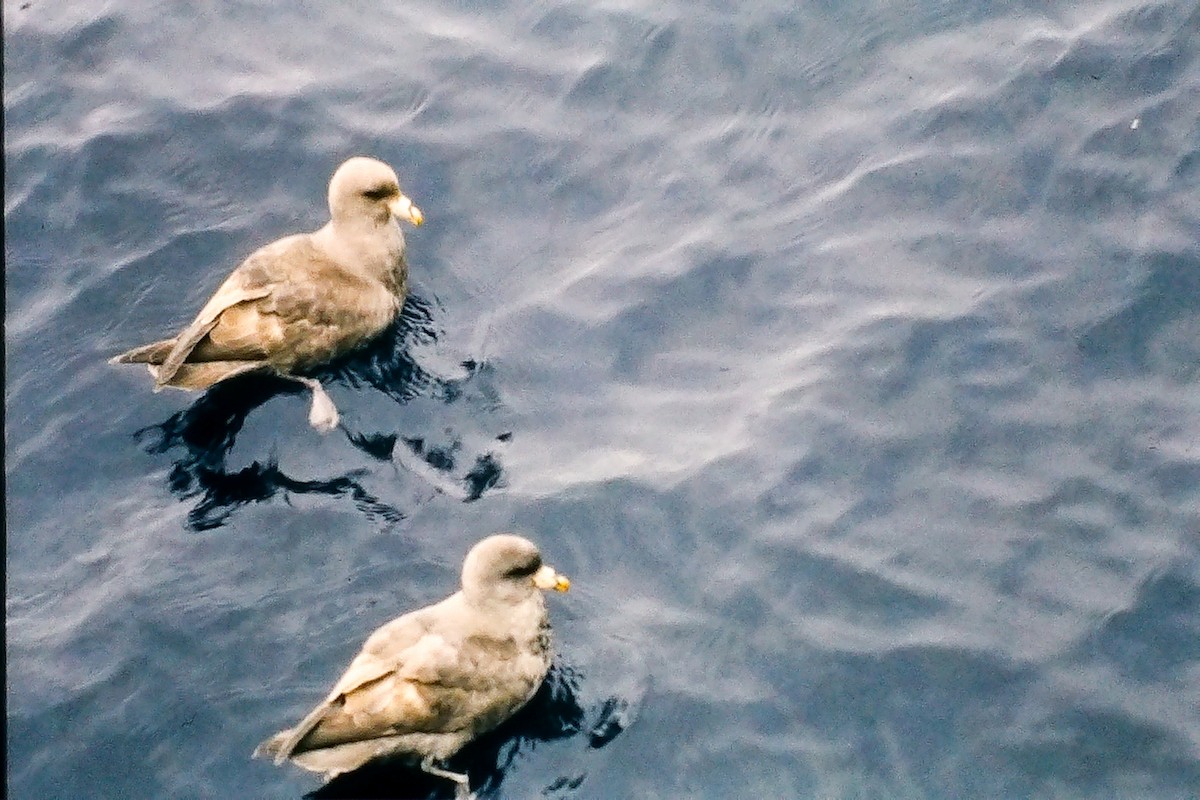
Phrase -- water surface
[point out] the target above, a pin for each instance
(845, 355)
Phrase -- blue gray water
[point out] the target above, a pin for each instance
(846, 355)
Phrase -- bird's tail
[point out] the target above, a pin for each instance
(146, 354)
(188, 376)
(270, 747)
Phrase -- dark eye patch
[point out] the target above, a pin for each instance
(380, 192)
(525, 569)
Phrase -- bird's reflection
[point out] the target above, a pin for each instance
(203, 434)
(553, 713)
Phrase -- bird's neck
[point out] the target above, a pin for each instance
(376, 249)
(525, 617)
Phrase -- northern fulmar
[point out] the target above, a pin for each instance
(427, 683)
(303, 300)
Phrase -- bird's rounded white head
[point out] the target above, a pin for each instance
(509, 568)
(365, 188)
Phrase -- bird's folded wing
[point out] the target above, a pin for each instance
(236, 289)
(371, 698)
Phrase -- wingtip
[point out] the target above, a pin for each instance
(270, 748)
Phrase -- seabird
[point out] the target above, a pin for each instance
(427, 683)
(303, 300)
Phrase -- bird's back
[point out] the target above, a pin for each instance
(428, 689)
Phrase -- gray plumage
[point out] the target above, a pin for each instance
(427, 683)
(303, 300)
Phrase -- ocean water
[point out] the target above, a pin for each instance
(846, 355)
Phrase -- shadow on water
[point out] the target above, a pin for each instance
(554, 713)
(207, 430)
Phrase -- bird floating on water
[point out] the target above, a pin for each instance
(429, 682)
(301, 301)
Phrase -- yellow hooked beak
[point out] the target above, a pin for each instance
(403, 208)
(547, 578)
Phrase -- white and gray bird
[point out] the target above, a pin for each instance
(427, 683)
(303, 300)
